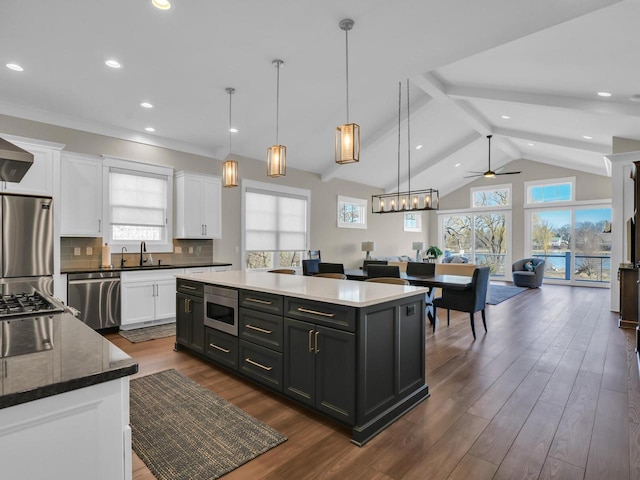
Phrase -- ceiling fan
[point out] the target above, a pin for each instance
(490, 173)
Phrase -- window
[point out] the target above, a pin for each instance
(550, 191)
(352, 212)
(498, 196)
(276, 225)
(139, 205)
(412, 222)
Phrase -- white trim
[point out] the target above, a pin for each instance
(33, 141)
(361, 203)
(136, 166)
(564, 205)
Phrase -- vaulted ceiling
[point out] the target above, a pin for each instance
(470, 65)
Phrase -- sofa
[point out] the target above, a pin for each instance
(455, 259)
(528, 272)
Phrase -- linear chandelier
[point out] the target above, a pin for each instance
(410, 201)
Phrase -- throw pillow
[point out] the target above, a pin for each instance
(528, 266)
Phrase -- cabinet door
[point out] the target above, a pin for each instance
(183, 319)
(299, 361)
(164, 296)
(39, 178)
(197, 324)
(81, 191)
(138, 302)
(193, 207)
(335, 373)
(211, 207)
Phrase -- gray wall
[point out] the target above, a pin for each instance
(336, 244)
(588, 187)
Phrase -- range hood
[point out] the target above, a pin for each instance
(14, 161)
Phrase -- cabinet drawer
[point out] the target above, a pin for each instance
(261, 328)
(261, 364)
(190, 287)
(330, 315)
(264, 302)
(222, 348)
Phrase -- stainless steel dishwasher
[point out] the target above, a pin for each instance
(97, 297)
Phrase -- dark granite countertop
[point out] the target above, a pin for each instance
(135, 268)
(44, 356)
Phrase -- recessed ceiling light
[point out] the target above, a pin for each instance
(604, 94)
(531, 144)
(15, 67)
(418, 147)
(506, 117)
(457, 164)
(161, 4)
(146, 105)
(587, 137)
(150, 129)
(233, 130)
(113, 63)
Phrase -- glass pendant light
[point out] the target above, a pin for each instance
(347, 135)
(277, 154)
(230, 167)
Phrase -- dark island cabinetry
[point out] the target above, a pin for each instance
(190, 315)
(628, 276)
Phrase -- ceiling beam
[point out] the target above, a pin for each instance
(554, 101)
(559, 162)
(557, 141)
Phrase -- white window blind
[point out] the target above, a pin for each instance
(275, 221)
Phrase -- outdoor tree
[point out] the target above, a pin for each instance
(543, 233)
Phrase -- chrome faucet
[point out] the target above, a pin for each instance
(143, 249)
(122, 260)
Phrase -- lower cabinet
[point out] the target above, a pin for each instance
(221, 347)
(148, 296)
(320, 368)
(190, 321)
(261, 364)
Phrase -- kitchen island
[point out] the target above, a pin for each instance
(352, 351)
(64, 407)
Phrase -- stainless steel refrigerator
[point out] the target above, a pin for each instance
(27, 244)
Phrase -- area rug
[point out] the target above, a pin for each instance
(500, 293)
(149, 333)
(183, 431)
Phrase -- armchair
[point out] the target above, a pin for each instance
(523, 277)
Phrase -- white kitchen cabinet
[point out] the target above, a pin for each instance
(198, 206)
(81, 195)
(39, 179)
(148, 297)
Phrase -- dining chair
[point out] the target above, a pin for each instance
(310, 267)
(394, 280)
(374, 271)
(288, 271)
(421, 268)
(324, 267)
(339, 276)
(470, 300)
(314, 255)
(366, 263)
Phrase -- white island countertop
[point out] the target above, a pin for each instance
(351, 293)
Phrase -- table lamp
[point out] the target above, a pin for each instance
(417, 246)
(368, 247)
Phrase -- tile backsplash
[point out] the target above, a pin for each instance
(83, 252)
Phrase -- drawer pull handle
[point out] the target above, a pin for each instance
(258, 329)
(213, 345)
(310, 335)
(317, 349)
(257, 300)
(187, 287)
(248, 360)
(315, 312)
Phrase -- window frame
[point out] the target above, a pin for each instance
(494, 188)
(361, 203)
(143, 169)
(277, 190)
(549, 182)
(418, 227)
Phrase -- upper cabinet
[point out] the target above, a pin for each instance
(39, 179)
(81, 195)
(198, 206)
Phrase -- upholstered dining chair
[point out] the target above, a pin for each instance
(421, 268)
(339, 276)
(470, 300)
(374, 271)
(366, 263)
(287, 271)
(324, 267)
(314, 255)
(393, 280)
(310, 267)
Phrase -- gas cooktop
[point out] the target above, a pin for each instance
(18, 304)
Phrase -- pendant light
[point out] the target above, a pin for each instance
(277, 154)
(347, 135)
(230, 167)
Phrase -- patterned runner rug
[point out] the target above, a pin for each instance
(183, 431)
(149, 333)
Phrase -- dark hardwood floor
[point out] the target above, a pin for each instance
(551, 392)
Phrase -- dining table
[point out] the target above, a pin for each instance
(451, 282)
